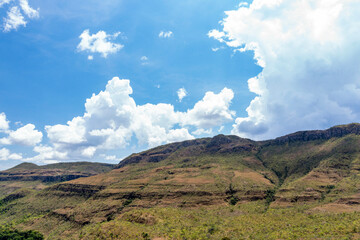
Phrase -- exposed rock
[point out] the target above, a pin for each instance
(68, 189)
(304, 136)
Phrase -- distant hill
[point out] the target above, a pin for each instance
(85, 167)
(29, 175)
(318, 168)
(23, 166)
(54, 172)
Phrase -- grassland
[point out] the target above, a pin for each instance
(244, 221)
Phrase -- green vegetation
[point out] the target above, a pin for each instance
(13, 234)
(246, 221)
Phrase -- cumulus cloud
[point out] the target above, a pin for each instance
(72, 133)
(6, 155)
(181, 93)
(213, 110)
(166, 34)
(99, 43)
(4, 124)
(202, 131)
(26, 135)
(47, 154)
(15, 17)
(112, 119)
(217, 35)
(309, 53)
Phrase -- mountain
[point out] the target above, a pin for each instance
(29, 175)
(202, 184)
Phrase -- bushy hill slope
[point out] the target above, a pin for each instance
(317, 168)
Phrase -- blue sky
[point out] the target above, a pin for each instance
(45, 80)
(46, 77)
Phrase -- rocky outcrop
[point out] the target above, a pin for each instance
(13, 197)
(304, 136)
(68, 189)
(42, 175)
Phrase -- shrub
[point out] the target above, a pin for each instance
(6, 233)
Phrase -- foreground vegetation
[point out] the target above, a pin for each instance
(252, 220)
(7, 233)
(245, 221)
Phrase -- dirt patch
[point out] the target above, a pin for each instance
(324, 177)
(188, 179)
(252, 176)
(141, 218)
(336, 208)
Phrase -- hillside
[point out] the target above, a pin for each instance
(32, 176)
(309, 172)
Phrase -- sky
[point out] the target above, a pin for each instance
(101, 80)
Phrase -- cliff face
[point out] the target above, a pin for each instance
(46, 176)
(304, 136)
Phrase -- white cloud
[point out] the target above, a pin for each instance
(99, 43)
(202, 131)
(26, 135)
(73, 133)
(215, 49)
(89, 152)
(164, 34)
(111, 158)
(213, 110)
(5, 141)
(90, 57)
(15, 156)
(309, 53)
(4, 124)
(4, 2)
(217, 35)
(221, 129)
(6, 155)
(14, 19)
(181, 93)
(47, 154)
(144, 60)
(112, 120)
(29, 11)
